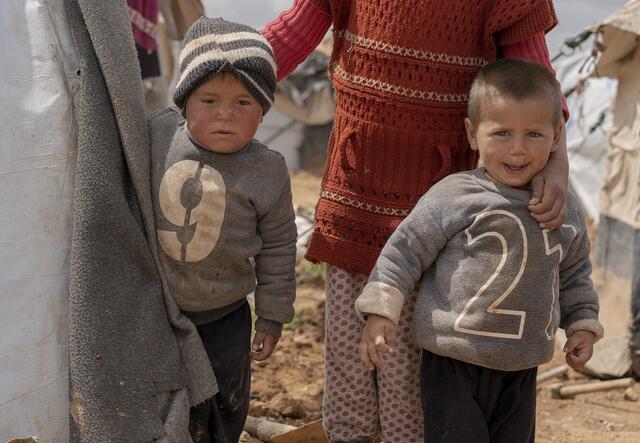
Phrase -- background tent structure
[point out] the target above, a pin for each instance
(38, 84)
(603, 133)
(618, 244)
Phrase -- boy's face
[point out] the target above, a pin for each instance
(222, 115)
(514, 137)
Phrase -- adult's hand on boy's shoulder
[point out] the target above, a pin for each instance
(579, 348)
(549, 188)
(263, 345)
(548, 203)
(378, 336)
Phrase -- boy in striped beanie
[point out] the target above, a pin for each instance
(224, 215)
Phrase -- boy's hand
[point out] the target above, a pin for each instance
(263, 345)
(579, 348)
(547, 204)
(379, 335)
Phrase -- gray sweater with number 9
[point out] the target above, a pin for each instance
(493, 287)
(225, 224)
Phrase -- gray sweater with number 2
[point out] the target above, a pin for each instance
(493, 287)
(225, 224)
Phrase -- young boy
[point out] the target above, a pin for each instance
(492, 286)
(224, 214)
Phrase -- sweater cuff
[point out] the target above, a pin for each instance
(510, 25)
(380, 299)
(586, 325)
(269, 327)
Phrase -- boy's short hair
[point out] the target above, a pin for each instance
(214, 45)
(517, 79)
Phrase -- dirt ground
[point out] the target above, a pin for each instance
(288, 387)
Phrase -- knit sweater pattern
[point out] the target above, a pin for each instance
(493, 287)
(402, 71)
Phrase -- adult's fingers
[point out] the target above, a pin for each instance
(552, 218)
(537, 189)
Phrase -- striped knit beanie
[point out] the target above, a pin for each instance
(214, 45)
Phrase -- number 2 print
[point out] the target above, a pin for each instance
(483, 307)
(482, 314)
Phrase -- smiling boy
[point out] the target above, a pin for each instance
(224, 213)
(493, 287)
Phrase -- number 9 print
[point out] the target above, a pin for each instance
(204, 218)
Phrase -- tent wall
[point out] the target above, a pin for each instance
(37, 158)
(617, 270)
(588, 128)
(282, 134)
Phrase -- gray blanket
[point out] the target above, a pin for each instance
(136, 363)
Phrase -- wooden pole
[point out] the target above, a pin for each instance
(264, 429)
(560, 371)
(573, 390)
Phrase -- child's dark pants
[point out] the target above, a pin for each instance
(227, 342)
(465, 403)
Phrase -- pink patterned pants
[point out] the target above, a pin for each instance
(358, 404)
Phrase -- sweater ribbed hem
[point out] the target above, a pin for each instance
(352, 257)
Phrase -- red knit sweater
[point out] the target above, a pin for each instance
(401, 70)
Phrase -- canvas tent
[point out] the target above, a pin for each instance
(604, 146)
(618, 247)
(37, 159)
(591, 107)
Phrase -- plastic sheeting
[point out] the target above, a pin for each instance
(591, 108)
(37, 157)
(618, 239)
(603, 148)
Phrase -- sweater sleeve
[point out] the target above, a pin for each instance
(534, 48)
(511, 21)
(578, 299)
(275, 263)
(410, 250)
(296, 33)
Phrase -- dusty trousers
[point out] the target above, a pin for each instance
(227, 342)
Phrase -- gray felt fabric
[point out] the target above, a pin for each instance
(136, 363)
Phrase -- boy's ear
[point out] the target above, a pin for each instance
(471, 133)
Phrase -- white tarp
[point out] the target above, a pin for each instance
(591, 107)
(37, 159)
(603, 145)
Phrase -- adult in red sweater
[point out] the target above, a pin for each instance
(402, 71)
